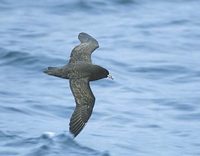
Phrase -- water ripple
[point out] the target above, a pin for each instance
(24, 60)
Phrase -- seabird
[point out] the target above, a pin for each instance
(80, 71)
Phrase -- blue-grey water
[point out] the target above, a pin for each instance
(152, 49)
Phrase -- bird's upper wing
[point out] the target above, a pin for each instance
(82, 52)
(84, 104)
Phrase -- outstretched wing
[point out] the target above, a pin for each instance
(82, 52)
(84, 104)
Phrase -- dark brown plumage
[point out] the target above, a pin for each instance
(80, 71)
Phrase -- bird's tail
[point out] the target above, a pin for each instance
(50, 70)
(55, 71)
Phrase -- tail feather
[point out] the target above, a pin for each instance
(55, 71)
(50, 70)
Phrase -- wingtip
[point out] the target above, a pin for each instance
(72, 135)
(84, 37)
(76, 125)
(82, 33)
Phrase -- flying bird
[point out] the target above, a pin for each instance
(80, 71)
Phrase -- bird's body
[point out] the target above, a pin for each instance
(76, 71)
(80, 71)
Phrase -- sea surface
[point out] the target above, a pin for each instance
(151, 48)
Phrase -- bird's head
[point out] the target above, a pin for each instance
(100, 73)
(105, 73)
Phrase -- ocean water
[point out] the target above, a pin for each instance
(152, 49)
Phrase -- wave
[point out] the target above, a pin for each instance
(51, 145)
